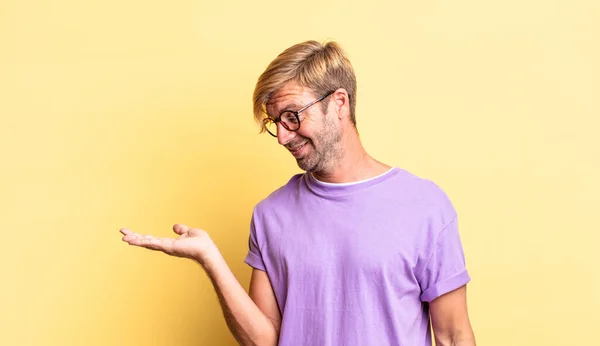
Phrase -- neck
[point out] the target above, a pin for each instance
(353, 163)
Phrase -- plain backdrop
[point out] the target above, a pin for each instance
(139, 114)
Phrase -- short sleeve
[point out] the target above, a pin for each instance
(445, 270)
(254, 255)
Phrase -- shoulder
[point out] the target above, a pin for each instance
(270, 214)
(281, 195)
(426, 195)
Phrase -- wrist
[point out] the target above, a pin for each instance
(210, 257)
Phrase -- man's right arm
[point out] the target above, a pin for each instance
(253, 318)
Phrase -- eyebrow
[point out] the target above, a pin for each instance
(290, 107)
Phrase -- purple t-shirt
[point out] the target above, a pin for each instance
(356, 264)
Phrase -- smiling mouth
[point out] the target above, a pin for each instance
(296, 148)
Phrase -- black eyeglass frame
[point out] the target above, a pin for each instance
(295, 113)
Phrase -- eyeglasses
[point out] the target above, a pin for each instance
(289, 119)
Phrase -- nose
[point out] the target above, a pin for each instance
(284, 135)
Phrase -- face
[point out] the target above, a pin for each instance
(316, 145)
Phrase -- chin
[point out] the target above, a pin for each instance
(311, 167)
(305, 166)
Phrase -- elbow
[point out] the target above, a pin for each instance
(269, 337)
(270, 341)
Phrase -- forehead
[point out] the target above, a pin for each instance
(289, 97)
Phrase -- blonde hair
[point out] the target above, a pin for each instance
(319, 67)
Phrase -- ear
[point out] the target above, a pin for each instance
(341, 103)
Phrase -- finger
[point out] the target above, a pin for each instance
(180, 229)
(132, 235)
(125, 231)
(153, 243)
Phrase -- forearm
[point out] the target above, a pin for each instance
(248, 324)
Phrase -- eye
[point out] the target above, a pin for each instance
(289, 117)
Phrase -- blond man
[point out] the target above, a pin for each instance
(352, 251)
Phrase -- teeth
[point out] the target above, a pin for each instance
(298, 147)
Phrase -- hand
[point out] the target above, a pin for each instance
(193, 243)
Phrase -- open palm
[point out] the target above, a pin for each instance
(192, 243)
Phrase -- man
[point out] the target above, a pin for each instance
(352, 252)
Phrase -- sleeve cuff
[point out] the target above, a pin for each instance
(446, 286)
(254, 261)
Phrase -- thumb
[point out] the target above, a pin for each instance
(180, 229)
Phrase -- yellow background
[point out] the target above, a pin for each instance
(138, 114)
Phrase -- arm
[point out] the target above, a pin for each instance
(245, 319)
(450, 319)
